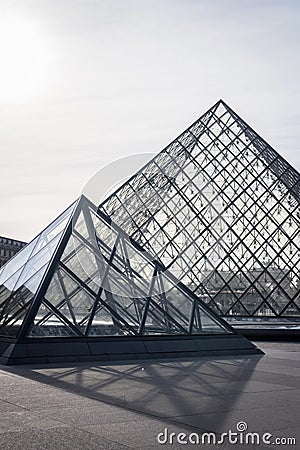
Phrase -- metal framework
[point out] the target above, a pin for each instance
(219, 208)
(84, 277)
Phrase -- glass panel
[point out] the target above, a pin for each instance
(55, 293)
(8, 287)
(80, 306)
(159, 322)
(71, 248)
(48, 325)
(18, 261)
(13, 311)
(39, 260)
(129, 309)
(13, 322)
(126, 284)
(104, 324)
(69, 298)
(178, 305)
(133, 264)
(81, 227)
(205, 323)
(292, 309)
(104, 232)
(84, 263)
(55, 228)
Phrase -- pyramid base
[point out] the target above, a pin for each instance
(60, 350)
(273, 334)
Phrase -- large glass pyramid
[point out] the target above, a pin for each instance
(220, 209)
(84, 279)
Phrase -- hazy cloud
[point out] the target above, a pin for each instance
(123, 77)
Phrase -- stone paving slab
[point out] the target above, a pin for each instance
(116, 406)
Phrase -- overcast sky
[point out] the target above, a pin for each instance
(83, 82)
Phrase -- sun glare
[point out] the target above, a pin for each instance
(24, 57)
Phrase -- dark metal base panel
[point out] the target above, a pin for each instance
(274, 334)
(59, 350)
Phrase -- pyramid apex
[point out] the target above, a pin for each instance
(222, 102)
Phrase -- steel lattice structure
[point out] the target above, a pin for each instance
(219, 207)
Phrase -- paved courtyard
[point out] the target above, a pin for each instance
(119, 406)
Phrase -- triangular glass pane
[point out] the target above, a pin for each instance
(174, 300)
(54, 230)
(224, 300)
(80, 305)
(56, 292)
(103, 231)
(8, 287)
(264, 309)
(12, 312)
(80, 226)
(17, 262)
(159, 321)
(47, 324)
(132, 264)
(130, 309)
(34, 255)
(70, 299)
(240, 308)
(254, 296)
(205, 323)
(84, 262)
(39, 260)
(293, 309)
(106, 324)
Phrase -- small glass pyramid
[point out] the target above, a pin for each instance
(83, 276)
